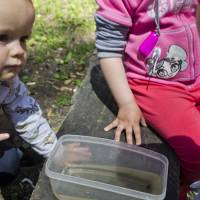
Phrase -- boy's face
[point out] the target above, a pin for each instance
(16, 21)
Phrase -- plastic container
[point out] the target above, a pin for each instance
(90, 168)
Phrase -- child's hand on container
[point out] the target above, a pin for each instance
(128, 119)
(72, 153)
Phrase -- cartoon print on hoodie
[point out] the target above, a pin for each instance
(166, 6)
(168, 67)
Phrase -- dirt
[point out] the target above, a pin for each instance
(47, 90)
(53, 94)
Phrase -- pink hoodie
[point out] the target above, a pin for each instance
(176, 56)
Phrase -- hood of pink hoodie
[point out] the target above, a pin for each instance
(176, 56)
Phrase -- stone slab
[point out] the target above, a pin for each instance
(93, 108)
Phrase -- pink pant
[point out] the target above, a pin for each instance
(174, 112)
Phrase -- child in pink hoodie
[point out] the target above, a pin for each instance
(149, 53)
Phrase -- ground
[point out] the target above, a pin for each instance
(54, 95)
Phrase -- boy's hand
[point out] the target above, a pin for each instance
(4, 136)
(129, 118)
(72, 154)
(76, 153)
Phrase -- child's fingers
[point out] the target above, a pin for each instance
(83, 150)
(76, 148)
(143, 122)
(137, 133)
(129, 135)
(4, 136)
(72, 145)
(111, 125)
(118, 132)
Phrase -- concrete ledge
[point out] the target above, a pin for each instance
(93, 108)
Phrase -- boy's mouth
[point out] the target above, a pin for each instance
(13, 67)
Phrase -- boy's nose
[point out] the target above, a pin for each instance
(16, 49)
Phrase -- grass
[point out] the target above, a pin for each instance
(63, 35)
(63, 100)
(62, 24)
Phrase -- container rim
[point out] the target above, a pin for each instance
(105, 186)
(109, 142)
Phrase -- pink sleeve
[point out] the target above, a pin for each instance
(119, 11)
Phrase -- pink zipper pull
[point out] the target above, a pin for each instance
(148, 44)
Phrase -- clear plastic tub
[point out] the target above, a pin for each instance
(90, 168)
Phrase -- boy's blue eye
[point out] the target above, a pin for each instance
(3, 38)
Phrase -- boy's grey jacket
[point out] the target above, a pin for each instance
(26, 116)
